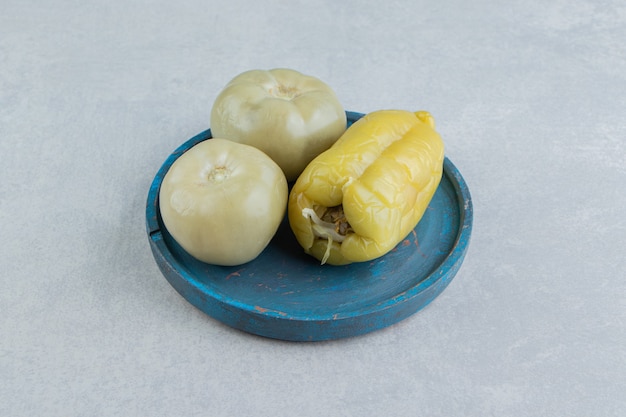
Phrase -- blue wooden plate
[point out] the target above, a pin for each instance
(285, 294)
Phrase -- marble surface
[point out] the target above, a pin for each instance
(530, 98)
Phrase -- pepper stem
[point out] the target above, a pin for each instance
(425, 117)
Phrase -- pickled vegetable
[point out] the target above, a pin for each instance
(356, 201)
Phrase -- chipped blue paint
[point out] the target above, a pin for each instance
(285, 294)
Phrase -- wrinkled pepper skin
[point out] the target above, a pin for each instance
(383, 172)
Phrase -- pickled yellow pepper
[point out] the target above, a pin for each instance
(357, 200)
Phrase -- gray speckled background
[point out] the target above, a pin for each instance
(530, 98)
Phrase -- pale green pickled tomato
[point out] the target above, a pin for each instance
(223, 201)
(290, 116)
